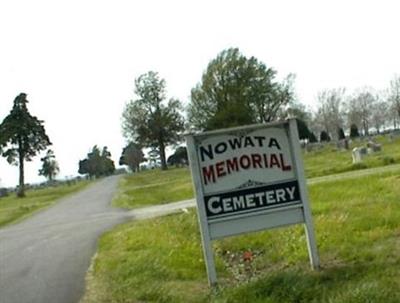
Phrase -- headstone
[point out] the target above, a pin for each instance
(377, 148)
(310, 147)
(373, 147)
(358, 154)
(363, 150)
(342, 144)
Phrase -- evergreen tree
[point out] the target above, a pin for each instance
(50, 167)
(304, 132)
(22, 136)
(313, 138)
(98, 163)
(341, 134)
(179, 157)
(354, 131)
(324, 137)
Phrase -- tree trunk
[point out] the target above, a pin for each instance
(365, 125)
(162, 155)
(21, 189)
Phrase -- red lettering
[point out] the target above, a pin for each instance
(232, 165)
(274, 161)
(256, 159)
(220, 169)
(243, 164)
(208, 174)
(284, 166)
(265, 160)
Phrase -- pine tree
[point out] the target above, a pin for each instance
(50, 167)
(22, 136)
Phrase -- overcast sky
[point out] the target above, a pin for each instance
(77, 59)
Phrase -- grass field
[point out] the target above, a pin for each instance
(154, 187)
(329, 160)
(13, 209)
(358, 235)
(160, 187)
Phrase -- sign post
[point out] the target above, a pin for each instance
(248, 179)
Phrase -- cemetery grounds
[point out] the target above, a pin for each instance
(356, 223)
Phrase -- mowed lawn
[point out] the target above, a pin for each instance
(13, 209)
(154, 187)
(329, 160)
(357, 225)
(160, 187)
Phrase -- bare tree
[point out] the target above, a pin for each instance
(394, 97)
(330, 112)
(393, 116)
(380, 110)
(353, 115)
(360, 108)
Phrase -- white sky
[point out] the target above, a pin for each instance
(77, 59)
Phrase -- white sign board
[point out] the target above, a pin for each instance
(248, 179)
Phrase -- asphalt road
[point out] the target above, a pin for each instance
(44, 259)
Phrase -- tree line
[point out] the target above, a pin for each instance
(359, 111)
(23, 136)
(234, 90)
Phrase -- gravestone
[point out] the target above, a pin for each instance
(342, 144)
(373, 147)
(358, 153)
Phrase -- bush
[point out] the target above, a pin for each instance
(357, 166)
(324, 137)
(3, 192)
(341, 134)
(387, 160)
(354, 131)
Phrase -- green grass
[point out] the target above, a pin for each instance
(358, 235)
(13, 209)
(160, 187)
(154, 187)
(329, 160)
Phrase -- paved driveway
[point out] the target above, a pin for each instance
(44, 259)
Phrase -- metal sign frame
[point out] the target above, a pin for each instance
(272, 217)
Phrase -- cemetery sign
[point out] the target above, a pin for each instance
(248, 179)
